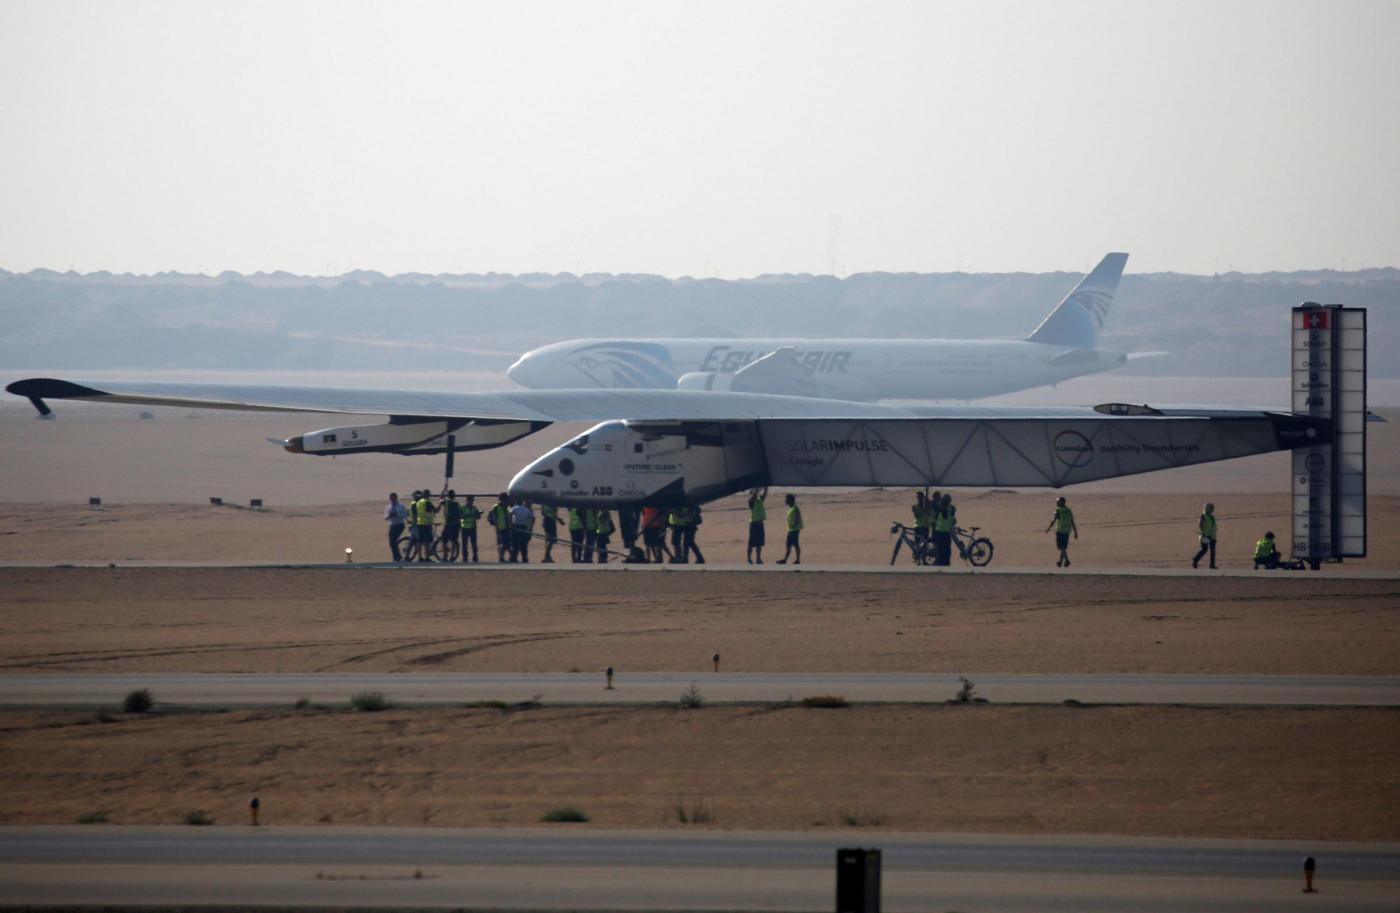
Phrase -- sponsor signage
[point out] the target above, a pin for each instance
(1329, 479)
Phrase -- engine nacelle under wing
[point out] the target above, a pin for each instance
(406, 436)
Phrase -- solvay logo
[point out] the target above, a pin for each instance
(1096, 301)
(1073, 449)
(634, 365)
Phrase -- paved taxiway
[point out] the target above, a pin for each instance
(284, 689)
(543, 869)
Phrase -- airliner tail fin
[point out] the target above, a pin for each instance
(1076, 321)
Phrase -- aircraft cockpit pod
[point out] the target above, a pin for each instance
(580, 473)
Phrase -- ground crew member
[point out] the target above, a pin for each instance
(628, 522)
(692, 529)
(757, 515)
(603, 529)
(396, 515)
(945, 520)
(679, 517)
(470, 514)
(500, 519)
(1063, 524)
(423, 512)
(1266, 553)
(654, 534)
(922, 520)
(522, 526)
(794, 530)
(1206, 528)
(451, 522)
(575, 535)
(590, 533)
(550, 515)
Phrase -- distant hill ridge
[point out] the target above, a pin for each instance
(1227, 324)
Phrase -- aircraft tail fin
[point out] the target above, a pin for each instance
(1076, 321)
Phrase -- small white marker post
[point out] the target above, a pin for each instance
(348, 553)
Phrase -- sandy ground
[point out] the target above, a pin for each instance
(370, 620)
(1168, 772)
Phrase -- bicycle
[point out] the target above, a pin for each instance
(920, 548)
(975, 550)
(441, 548)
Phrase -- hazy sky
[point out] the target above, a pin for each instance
(699, 138)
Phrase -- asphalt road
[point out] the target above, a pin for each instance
(551, 869)
(270, 690)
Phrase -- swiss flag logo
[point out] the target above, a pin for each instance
(1315, 320)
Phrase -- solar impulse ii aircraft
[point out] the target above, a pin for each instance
(1060, 348)
(668, 447)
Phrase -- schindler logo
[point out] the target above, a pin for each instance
(1073, 449)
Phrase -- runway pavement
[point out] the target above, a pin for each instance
(284, 689)
(552, 869)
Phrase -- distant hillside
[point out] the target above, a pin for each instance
(1232, 324)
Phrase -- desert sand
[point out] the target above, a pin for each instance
(131, 620)
(1166, 771)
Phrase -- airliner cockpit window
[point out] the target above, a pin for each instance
(579, 444)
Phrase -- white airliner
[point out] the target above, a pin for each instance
(846, 369)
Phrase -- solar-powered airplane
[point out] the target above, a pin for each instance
(1061, 347)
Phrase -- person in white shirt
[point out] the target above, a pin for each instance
(396, 515)
(522, 524)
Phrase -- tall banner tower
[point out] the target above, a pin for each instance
(1329, 479)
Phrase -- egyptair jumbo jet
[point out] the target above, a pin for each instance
(847, 369)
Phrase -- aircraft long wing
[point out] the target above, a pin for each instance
(513, 405)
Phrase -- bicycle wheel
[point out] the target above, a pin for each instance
(979, 552)
(445, 549)
(407, 548)
(895, 554)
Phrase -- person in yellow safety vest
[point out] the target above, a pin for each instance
(575, 535)
(603, 528)
(678, 520)
(423, 512)
(757, 515)
(470, 514)
(794, 530)
(500, 520)
(1206, 527)
(1266, 553)
(945, 520)
(550, 516)
(1063, 524)
(922, 519)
